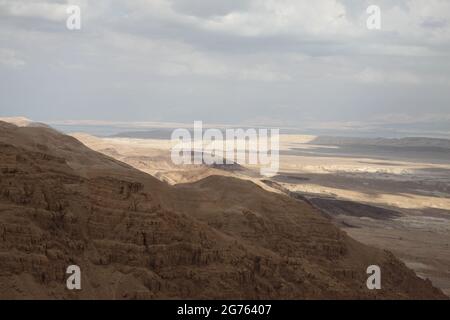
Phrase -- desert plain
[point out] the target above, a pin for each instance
(393, 194)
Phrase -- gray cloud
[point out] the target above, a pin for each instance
(285, 61)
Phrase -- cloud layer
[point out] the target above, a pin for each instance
(287, 61)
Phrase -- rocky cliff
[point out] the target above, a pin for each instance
(135, 237)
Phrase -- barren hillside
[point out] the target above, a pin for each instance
(136, 237)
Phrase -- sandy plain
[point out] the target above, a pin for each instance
(414, 184)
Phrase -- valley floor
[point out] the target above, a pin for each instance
(415, 192)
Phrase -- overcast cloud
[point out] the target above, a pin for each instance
(289, 62)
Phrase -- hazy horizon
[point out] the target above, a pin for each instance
(105, 128)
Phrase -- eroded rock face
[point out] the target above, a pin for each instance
(135, 237)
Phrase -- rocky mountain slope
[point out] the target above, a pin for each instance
(135, 237)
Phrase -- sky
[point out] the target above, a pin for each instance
(300, 63)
